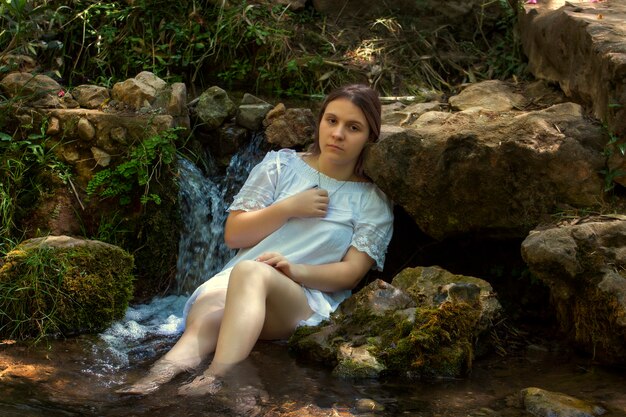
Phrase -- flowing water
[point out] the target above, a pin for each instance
(79, 376)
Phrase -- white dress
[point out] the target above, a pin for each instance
(359, 215)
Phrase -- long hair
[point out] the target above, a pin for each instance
(365, 99)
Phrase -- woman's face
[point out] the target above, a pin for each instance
(343, 131)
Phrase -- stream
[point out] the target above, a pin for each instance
(76, 377)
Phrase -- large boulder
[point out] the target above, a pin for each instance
(497, 174)
(583, 52)
(62, 285)
(583, 264)
(426, 323)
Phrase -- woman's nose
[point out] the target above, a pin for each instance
(338, 132)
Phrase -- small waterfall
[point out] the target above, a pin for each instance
(201, 249)
(203, 202)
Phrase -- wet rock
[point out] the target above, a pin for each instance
(490, 173)
(251, 112)
(405, 115)
(83, 285)
(365, 405)
(90, 96)
(140, 92)
(542, 403)
(24, 84)
(101, 157)
(39, 90)
(214, 107)
(119, 134)
(583, 265)
(177, 105)
(542, 93)
(403, 328)
(289, 127)
(86, 130)
(356, 362)
(54, 126)
(492, 95)
(431, 286)
(295, 409)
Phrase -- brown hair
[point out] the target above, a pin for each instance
(365, 99)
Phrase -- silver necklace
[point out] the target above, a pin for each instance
(319, 181)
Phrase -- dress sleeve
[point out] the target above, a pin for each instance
(374, 228)
(259, 189)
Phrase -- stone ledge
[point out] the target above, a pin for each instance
(581, 46)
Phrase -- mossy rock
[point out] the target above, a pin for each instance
(60, 285)
(417, 342)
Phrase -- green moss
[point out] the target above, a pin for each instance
(438, 343)
(349, 368)
(63, 291)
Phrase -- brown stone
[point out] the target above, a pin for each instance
(585, 54)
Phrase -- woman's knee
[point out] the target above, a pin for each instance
(247, 273)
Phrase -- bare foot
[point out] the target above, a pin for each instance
(162, 372)
(202, 385)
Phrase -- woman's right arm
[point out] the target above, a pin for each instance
(247, 228)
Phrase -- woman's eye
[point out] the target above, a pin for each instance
(354, 128)
(331, 121)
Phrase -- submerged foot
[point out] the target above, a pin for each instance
(162, 372)
(202, 385)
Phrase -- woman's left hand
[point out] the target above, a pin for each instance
(279, 262)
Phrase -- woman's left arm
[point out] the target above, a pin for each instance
(337, 276)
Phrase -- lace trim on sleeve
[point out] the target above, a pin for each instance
(368, 239)
(242, 203)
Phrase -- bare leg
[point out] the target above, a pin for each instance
(196, 343)
(261, 303)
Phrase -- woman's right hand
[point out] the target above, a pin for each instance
(309, 203)
(247, 228)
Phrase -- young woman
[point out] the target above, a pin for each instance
(308, 227)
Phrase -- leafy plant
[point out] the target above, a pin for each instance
(610, 174)
(142, 167)
(22, 159)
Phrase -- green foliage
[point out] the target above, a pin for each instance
(24, 30)
(22, 160)
(610, 174)
(254, 43)
(142, 166)
(63, 291)
(505, 57)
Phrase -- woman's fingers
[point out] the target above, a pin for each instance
(270, 258)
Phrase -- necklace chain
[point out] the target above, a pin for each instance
(319, 181)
